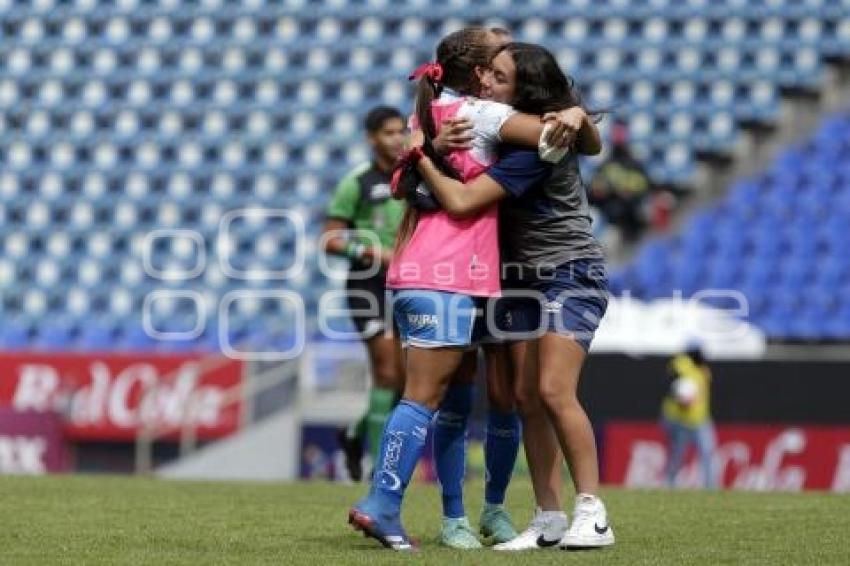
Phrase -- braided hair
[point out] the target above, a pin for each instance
(459, 53)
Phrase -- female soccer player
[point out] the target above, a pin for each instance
(362, 203)
(443, 270)
(548, 250)
(502, 430)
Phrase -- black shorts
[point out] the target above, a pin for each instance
(368, 315)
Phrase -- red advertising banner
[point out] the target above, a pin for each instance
(108, 397)
(753, 457)
(31, 443)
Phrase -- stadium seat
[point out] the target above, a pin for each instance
(779, 237)
(151, 118)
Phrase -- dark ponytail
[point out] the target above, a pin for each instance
(426, 92)
(406, 228)
(458, 54)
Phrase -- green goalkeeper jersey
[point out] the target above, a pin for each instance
(362, 199)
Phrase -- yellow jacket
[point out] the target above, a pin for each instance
(697, 411)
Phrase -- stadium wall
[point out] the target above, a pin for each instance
(617, 386)
(781, 424)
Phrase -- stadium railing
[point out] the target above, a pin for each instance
(258, 379)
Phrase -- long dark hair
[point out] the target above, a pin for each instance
(541, 85)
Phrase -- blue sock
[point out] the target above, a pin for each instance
(450, 446)
(401, 446)
(500, 452)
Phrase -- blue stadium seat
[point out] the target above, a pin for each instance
(779, 237)
(146, 119)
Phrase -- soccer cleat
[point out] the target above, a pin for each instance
(352, 448)
(458, 534)
(496, 524)
(590, 528)
(385, 529)
(546, 530)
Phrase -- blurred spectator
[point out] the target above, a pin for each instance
(620, 188)
(686, 416)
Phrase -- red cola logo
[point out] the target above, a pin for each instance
(135, 395)
(748, 456)
(771, 472)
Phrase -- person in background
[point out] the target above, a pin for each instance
(620, 189)
(686, 416)
(362, 213)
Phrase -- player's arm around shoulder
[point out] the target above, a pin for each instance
(568, 127)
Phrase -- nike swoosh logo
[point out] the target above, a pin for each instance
(543, 543)
(600, 530)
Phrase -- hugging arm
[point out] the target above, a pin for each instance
(570, 125)
(525, 130)
(588, 141)
(458, 199)
(516, 172)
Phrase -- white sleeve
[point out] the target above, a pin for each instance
(488, 117)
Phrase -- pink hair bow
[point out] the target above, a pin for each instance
(433, 71)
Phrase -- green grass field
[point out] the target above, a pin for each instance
(111, 520)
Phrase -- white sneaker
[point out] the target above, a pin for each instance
(590, 528)
(546, 530)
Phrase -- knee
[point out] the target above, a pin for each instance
(555, 397)
(527, 401)
(427, 399)
(426, 394)
(501, 399)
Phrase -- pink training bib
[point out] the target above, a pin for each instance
(448, 254)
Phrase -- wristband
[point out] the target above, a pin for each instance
(354, 250)
(410, 157)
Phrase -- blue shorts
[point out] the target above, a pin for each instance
(437, 319)
(570, 299)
